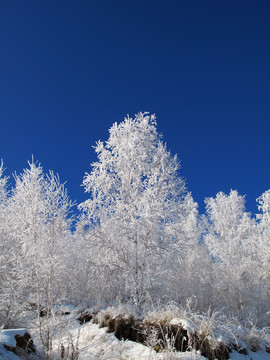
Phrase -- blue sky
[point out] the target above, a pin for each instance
(70, 69)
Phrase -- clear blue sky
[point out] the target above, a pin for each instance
(70, 69)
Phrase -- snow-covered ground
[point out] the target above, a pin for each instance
(90, 342)
(95, 343)
(260, 355)
(7, 337)
(72, 341)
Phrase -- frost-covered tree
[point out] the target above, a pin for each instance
(263, 249)
(264, 226)
(8, 278)
(3, 222)
(133, 216)
(11, 277)
(192, 278)
(39, 228)
(232, 240)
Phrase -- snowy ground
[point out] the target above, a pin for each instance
(96, 343)
(7, 338)
(93, 343)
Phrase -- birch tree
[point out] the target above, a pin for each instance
(263, 249)
(8, 278)
(232, 240)
(132, 215)
(39, 229)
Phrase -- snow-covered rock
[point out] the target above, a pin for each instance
(14, 343)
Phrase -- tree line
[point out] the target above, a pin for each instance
(139, 237)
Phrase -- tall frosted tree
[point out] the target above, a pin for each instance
(264, 224)
(9, 299)
(133, 216)
(39, 223)
(232, 240)
(264, 244)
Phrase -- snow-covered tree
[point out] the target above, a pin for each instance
(11, 277)
(264, 218)
(264, 244)
(133, 216)
(8, 278)
(232, 241)
(39, 229)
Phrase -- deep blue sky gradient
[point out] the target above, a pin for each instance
(70, 69)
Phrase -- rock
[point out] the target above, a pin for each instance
(85, 317)
(18, 341)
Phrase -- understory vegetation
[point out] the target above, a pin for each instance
(190, 281)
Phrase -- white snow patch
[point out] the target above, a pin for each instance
(184, 323)
(259, 355)
(7, 337)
